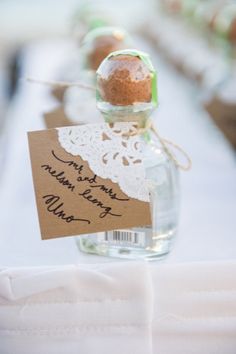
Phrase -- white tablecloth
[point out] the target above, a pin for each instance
(206, 233)
(119, 307)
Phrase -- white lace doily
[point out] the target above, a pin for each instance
(110, 154)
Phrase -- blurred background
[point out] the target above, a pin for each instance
(196, 37)
(193, 46)
(26, 22)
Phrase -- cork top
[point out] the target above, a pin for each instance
(232, 31)
(100, 42)
(125, 79)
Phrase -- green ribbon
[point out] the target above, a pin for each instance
(97, 23)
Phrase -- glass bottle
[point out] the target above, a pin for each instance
(100, 42)
(126, 91)
(96, 45)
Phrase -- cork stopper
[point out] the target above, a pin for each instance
(124, 79)
(99, 43)
(173, 6)
(232, 31)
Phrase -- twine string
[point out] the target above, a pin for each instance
(62, 84)
(164, 143)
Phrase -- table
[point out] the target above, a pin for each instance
(55, 299)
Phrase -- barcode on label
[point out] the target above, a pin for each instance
(125, 237)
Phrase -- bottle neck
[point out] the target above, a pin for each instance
(139, 113)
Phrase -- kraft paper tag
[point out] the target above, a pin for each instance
(223, 114)
(57, 118)
(71, 198)
(58, 93)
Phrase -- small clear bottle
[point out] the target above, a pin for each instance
(126, 91)
(80, 105)
(100, 42)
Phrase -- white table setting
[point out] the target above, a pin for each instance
(54, 299)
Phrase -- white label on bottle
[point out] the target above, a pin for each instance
(123, 237)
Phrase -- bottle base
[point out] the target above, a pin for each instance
(161, 250)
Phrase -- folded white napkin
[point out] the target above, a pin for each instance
(76, 309)
(195, 308)
(133, 308)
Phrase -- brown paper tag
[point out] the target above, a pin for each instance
(58, 93)
(57, 118)
(71, 199)
(224, 116)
